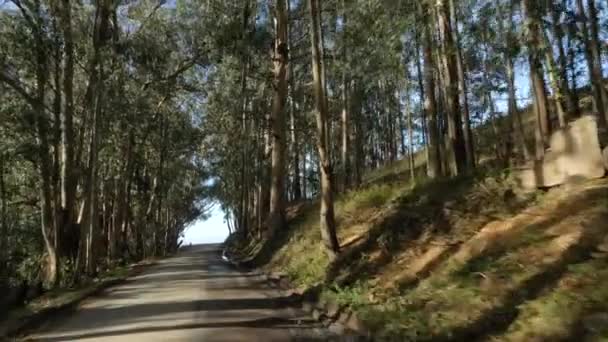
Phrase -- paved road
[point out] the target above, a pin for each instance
(194, 296)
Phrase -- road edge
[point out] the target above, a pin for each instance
(13, 329)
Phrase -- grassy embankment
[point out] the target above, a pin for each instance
(458, 259)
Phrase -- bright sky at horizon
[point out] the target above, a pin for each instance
(212, 230)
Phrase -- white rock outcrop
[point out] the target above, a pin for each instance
(574, 154)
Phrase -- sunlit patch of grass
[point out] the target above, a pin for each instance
(494, 262)
(303, 257)
(374, 196)
(560, 313)
(355, 296)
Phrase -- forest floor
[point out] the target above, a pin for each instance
(459, 259)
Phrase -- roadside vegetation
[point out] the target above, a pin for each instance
(435, 165)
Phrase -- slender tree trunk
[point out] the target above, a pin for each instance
(281, 60)
(357, 134)
(345, 135)
(572, 49)
(95, 90)
(68, 175)
(46, 197)
(537, 80)
(92, 185)
(242, 222)
(422, 96)
(43, 149)
(570, 101)
(327, 219)
(513, 110)
(455, 146)
(243, 210)
(430, 103)
(589, 28)
(559, 92)
(297, 183)
(56, 164)
(463, 89)
(4, 252)
(264, 189)
(346, 169)
(410, 130)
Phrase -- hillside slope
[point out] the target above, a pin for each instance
(461, 259)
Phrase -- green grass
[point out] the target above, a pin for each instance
(536, 283)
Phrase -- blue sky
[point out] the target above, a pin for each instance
(213, 230)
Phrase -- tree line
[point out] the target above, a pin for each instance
(121, 121)
(329, 90)
(100, 160)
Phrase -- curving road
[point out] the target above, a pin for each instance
(193, 296)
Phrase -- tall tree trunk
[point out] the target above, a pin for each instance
(297, 183)
(4, 252)
(46, 197)
(94, 105)
(463, 89)
(357, 134)
(559, 92)
(512, 108)
(410, 130)
(281, 59)
(345, 149)
(420, 78)
(556, 26)
(345, 104)
(327, 219)
(56, 164)
(455, 146)
(589, 27)
(68, 174)
(92, 186)
(572, 53)
(430, 102)
(244, 200)
(537, 79)
(43, 149)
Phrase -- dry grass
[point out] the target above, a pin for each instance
(473, 263)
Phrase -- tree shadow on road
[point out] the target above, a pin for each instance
(276, 323)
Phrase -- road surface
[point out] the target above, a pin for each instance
(193, 296)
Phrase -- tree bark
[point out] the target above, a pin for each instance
(455, 146)
(512, 108)
(4, 252)
(244, 200)
(345, 104)
(68, 175)
(559, 92)
(537, 79)
(463, 89)
(430, 102)
(410, 130)
(420, 78)
(571, 102)
(295, 144)
(327, 218)
(281, 60)
(589, 28)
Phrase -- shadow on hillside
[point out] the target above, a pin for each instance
(252, 253)
(420, 212)
(498, 319)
